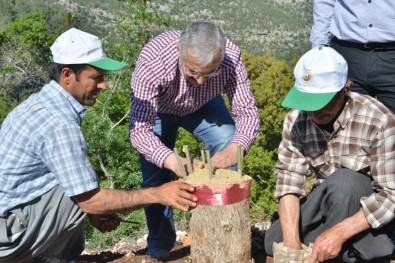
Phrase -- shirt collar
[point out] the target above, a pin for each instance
(345, 115)
(78, 107)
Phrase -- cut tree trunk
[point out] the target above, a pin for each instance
(221, 233)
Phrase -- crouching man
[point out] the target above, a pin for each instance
(47, 183)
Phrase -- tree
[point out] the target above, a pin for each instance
(24, 55)
(270, 80)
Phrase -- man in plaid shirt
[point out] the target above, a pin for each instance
(347, 141)
(178, 82)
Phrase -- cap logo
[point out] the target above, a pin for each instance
(306, 76)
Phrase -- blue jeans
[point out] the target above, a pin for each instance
(214, 126)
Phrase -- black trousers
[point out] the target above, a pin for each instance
(371, 70)
(332, 201)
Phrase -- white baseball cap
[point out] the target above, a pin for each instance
(78, 47)
(319, 74)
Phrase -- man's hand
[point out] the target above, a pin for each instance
(327, 245)
(105, 223)
(177, 194)
(226, 158)
(172, 164)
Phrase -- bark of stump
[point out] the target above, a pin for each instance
(221, 233)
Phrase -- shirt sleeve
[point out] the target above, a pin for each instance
(322, 16)
(379, 207)
(64, 152)
(293, 167)
(144, 108)
(243, 106)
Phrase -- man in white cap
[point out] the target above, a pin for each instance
(47, 182)
(347, 142)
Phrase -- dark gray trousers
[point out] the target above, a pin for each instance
(371, 70)
(337, 198)
(51, 225)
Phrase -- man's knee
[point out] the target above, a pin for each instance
(348, 183)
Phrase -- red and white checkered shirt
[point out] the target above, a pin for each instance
(158, 86)
(363, 138)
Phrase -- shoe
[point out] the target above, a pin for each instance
(258, 251)
(158, 253)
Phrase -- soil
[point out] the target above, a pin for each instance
(221, 177)
(179, 254)
(125, 251)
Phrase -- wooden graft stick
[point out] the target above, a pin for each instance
(184, 175)
(203, 156)
(210, 169)
(240, 159)
(185, 149)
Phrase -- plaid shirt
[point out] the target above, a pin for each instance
(363, 138)
(41, 146)
(158, 86)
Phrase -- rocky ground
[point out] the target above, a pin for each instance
(126, 251)
(179, 254)
(134, 251)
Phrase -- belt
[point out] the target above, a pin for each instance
(371, 45)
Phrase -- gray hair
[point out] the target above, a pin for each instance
(204, 39)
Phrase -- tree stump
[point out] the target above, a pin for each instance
(220, 224)
(221, 233)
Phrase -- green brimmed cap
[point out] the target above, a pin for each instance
(319, 75)
(78, 47)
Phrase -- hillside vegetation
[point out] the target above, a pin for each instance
(259, 26)
(281, 27)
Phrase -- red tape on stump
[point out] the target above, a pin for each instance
(219, 196)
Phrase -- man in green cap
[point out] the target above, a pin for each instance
(48, 184)
(346, 141)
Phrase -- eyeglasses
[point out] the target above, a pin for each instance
(195, 74)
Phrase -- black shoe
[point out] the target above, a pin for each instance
(258, 250)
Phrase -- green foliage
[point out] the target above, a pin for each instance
(136, 28)
(276, 26)
(257, 26)
(263, 203)
(115, 161)
(24, 55)
(6, 105)
(97, 240)
(110, 151)
(12, 9)
(31, 31)
(270, 80)
(194, 145)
